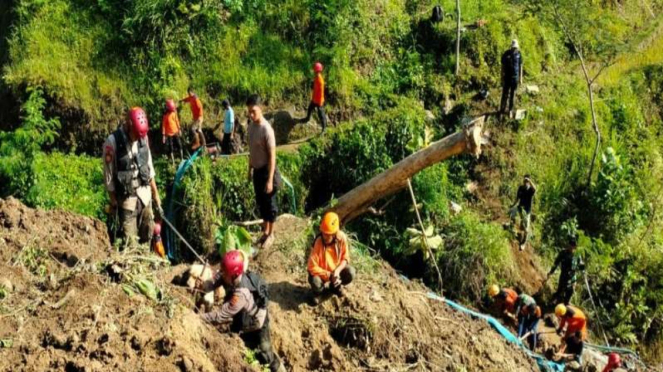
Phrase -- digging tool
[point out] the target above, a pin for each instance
(525, 335)
(204, 262)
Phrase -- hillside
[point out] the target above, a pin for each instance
(67, 313)
(70, 68)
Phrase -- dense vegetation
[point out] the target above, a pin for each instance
(73, 65)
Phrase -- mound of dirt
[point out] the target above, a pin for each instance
(77, 318)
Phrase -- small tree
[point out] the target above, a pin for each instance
(593, 38)
(457, 37)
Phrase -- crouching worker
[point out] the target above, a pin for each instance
(571, 352)
(245, 308)
(505, 300)
(328, 265)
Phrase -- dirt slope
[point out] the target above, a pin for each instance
(66, 313)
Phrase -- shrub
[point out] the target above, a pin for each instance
(19, 148)
(476, 253)
(70, 182)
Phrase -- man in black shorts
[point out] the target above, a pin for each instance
(262, 167)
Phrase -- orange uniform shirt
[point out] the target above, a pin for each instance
(576, 322)
(318, 90)
(196, 106)
(325, 259)
(509, 301)
(170, 125)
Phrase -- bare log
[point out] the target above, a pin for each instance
(358, 200)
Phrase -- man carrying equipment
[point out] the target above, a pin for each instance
(129, 177)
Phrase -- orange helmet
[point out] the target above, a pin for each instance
(330, 223)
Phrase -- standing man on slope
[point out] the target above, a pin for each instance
(512, 75)
(262, 168)
(129, 177)
(571, 264)
(523, 206)
(197, 113)
(171, 131)
(318, 98)
(228, 128)
(245, 308)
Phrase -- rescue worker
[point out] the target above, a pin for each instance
(571, 264)
(614, 362)
(129, 177)
(523, 206)
(171, 131)
(245, 308)
(329, 263)
(529, 315)
(512, 75)
(198, 138)
(262, 168)
(571, 351)
(228, 128)
(573, 320)
(317, 98)
(505, 299)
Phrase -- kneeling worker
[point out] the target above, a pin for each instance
(328, 266)
(574, 321)
(245, 308)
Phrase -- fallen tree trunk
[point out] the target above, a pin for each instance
(358, 200)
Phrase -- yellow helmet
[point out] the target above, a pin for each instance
(493, 290)
(560, 310)
(330, 223)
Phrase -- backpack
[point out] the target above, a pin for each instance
(438, 14)
(258, 288)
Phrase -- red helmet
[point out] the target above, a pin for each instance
(157, 228)
(317, 67)
(614, 359)
(170, 105)
(233, 264)
(139, 124)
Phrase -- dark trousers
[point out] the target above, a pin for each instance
(267, 203)
(318, 285)
(528, 324)
(226, 145)
(321, 114)
(565, 291)
(508, 92)
(174, 143)
(261, 341)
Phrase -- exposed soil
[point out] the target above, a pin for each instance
(68, 314)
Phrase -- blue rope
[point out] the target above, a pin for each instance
(171, 213)
(544, 364)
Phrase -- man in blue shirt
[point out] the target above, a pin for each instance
(228, 128)
(512, 75)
